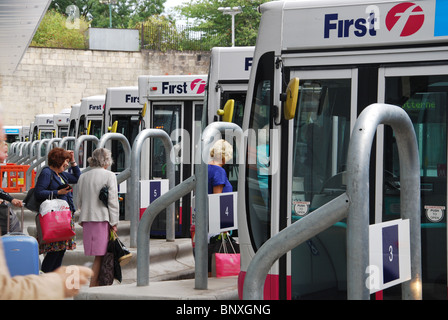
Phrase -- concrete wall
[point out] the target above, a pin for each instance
(49, 80)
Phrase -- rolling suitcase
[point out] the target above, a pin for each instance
(21, 252)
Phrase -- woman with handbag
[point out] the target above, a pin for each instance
(53, 182)
(96, 217)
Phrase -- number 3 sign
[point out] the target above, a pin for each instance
(389, 254)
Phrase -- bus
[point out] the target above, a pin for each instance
(228, 79)
(122, 114)
(175, 104)
(43, 127)
(90, 122)
(16, 133)
(347, 54)
(62, 121)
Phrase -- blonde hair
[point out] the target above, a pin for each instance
(222, 151)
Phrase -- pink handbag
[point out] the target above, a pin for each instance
(226, 264)
(55, 226)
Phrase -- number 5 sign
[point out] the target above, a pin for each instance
(389, 254)
(222, 212)
(150, 190)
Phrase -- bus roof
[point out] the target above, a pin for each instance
(122, 97)
(318, 24)
(231, 63)
(92, 105)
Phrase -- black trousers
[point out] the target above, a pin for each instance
(52, 261)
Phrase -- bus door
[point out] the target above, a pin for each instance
(176, 119)
(129, 126)
(320, 137)
(423, 93)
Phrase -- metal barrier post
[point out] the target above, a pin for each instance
(79, 142)
(126, 173)
(358, 191)
(213, 130)
(289, 238)
(66, 140)
(133, 193)
(144, 227)
(357, 200)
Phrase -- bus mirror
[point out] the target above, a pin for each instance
(292, 94)
(114, 126)
(144, 109)
(227, 112)
(88, 127)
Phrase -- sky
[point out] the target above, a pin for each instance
(170, 4)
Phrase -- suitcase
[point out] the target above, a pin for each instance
(21, 253)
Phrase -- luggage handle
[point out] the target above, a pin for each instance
(8, 222)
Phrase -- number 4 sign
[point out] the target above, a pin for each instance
(389, 254)
(222, 212)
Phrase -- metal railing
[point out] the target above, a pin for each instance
(354, 205)
(180, 38)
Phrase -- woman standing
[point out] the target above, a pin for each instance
(95, 217)
(47, 187)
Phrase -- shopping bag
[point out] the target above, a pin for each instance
(54, 226)
(53, 205)
(110, 268)
(107, 269)
(122, 253)
(226, 261)
(227, 264)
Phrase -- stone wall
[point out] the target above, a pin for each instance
(49, 80)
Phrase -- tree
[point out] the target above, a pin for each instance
(54, 33)
(206, 15)
(125, 13)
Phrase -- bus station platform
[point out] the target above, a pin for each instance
(217, 289)
(171, 269)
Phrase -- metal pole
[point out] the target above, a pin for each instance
(233, 30)
(287, 239)
(144, 227)
(358, 190)
(209, 135)
(133, 193)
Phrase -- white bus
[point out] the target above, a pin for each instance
(174, 104)
(122, 114)
(62, 122)
(16, 133)
(347, 55)
(43, 127)
(228, 79)
(90, 123)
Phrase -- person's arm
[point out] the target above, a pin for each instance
(41, 190)
(53, 285)
(114, 209)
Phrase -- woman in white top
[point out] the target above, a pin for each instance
(95, 217)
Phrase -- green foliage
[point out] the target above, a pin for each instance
(161, 33)
(207, 15)
(54, 33)
(125, 13)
